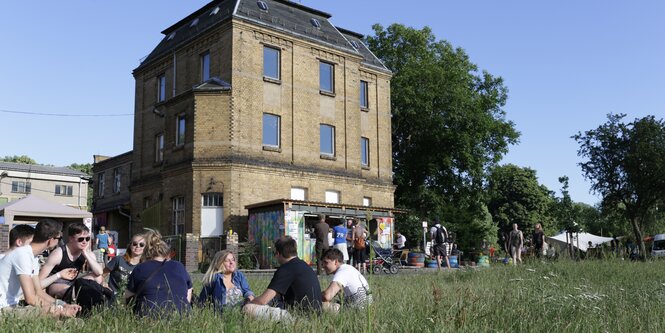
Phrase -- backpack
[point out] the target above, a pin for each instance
(441, 235)
(88, 294)
(359, 243)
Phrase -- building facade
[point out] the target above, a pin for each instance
(249, 101)
(56, 184)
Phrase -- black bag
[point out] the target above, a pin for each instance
(441, 235)
(88, 294)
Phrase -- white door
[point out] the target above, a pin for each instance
(212, 215)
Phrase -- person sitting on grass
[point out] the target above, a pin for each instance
(119, 268)
(223, 284)
(346, 278)
(19, 275)
(294, 281)
(160, 287)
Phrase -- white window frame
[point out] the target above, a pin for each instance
(298, 193)
(159, 148)
(180, 125)
(101, 187)
(332, 140)
(161, 88)
(205, 66)
(212, 199)
(367, 201)
(279, 130)
(279, 63)
(332, 196)
(178, 217)
(64, 190)
(21, 186)
(331, 77)
(116, 180)
(364, 151)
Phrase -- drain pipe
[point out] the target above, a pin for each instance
(129, 217)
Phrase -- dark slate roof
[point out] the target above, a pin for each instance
(356, 41)
(51, 170)
(282, 15)
(212, 84)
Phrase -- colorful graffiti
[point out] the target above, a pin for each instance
(264, 229)
(385, 232)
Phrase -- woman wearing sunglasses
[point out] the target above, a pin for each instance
(119, 268)
(223, 284)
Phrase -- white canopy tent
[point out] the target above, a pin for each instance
(32, 207)
(579, 238)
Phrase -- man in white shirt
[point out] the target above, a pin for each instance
(401, 241)
(347, 278)
(19, 274)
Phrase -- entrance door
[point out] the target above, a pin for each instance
(212, 215)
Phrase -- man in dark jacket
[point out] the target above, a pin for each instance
(321, 230)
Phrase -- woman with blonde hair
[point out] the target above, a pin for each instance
(119, 268)
(223, 284)
(160, 287)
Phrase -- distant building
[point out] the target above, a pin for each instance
(244, 102)
(55, 184)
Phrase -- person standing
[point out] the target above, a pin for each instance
(340, 232)
(349, 240)
(321, 233)
(359, 245)
(516, 240)
(102, 242)
(538, 240)
(294, 283)
(439, 241)
(19, 271)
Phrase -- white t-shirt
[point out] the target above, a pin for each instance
(356, 288)
(401, 240)
(20, 261)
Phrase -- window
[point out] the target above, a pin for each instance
(21, 187)
(271, 62)
(364, 100)
(367, 201)
(298, 193)
(64, 190)
(146, 202)
(271, 130)
(102, 186)
(212, 199)
(326, 77)
(262, 5)
(315, 22)
(178, 209)
(180, 131)
(327, 143)
(161, 88)
(159, 147)
(116, 180)
(205, 66)
(332, 196)
(364, 151)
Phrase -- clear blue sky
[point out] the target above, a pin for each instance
(567, 63)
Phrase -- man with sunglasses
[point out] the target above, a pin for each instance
(74, 254)
(19, 272)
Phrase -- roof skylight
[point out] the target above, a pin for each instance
(262, 4)
(355, 45)
(315, 22)
(171, 36)
(214, 11)
(194, 23)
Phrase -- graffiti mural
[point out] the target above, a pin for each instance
(264, 228)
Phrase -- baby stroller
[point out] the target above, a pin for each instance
(383, 260)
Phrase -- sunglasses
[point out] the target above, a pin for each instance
(138, 244)
(83, 239)
(58, 238)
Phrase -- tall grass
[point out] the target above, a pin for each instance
(591, 296)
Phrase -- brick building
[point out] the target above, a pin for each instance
(249, 101)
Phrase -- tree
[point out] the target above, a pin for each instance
(87, 169)
(19, 159)
(515, 196)
(626, 164)
(449, 127)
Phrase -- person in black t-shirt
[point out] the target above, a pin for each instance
(294, 283)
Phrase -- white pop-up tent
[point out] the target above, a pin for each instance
(32, 208)
(579, 238)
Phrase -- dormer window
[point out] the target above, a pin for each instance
(263, 5)
(315, 23)
(171, 36)
(194, 23)
(214, 11)
(355, 45)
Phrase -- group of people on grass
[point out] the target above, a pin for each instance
(72, 282)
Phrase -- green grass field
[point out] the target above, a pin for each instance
(564, 296)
